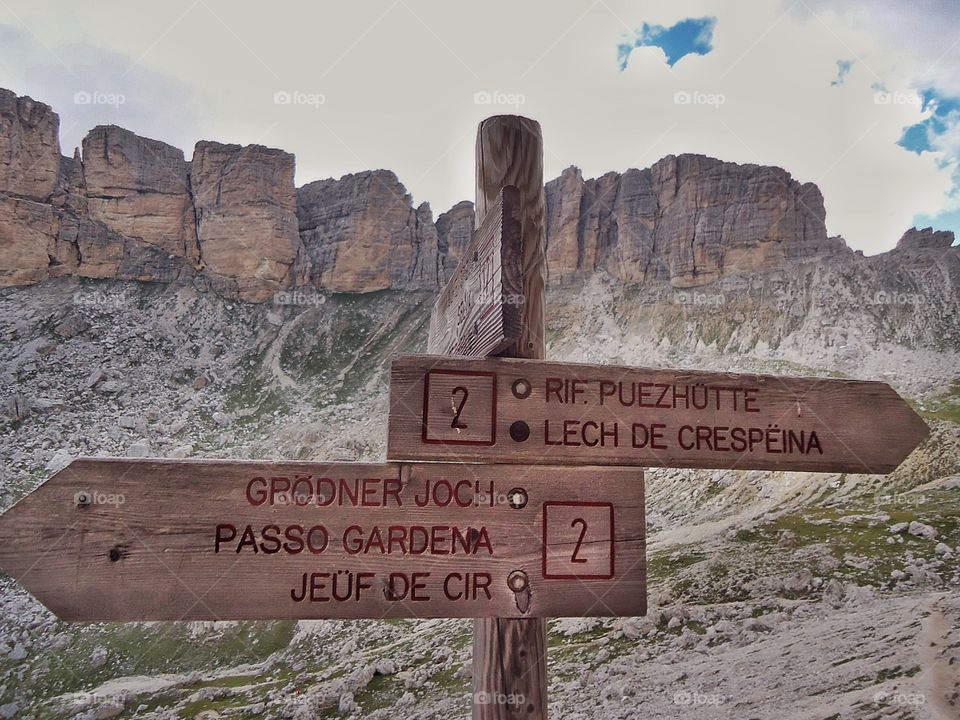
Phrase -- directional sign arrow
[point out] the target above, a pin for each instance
(479, 310)
(530, 411)
(123, 539)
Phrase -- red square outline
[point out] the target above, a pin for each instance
(426, 403)
(613, 536)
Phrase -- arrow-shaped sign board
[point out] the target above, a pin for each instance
(123, 539)
(479, 310)
(530, 411)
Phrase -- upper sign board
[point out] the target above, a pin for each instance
(530, 411)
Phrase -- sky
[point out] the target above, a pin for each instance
(861, 97)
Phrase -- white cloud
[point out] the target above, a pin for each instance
(89, 85)
(399, 78)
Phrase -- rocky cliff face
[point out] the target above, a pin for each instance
(231, 221)
(687, 219)
(245, 204)
(139, 188)
(29, 147)
(362, 234)
(925, 239)
(454, 229)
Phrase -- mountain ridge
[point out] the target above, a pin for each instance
(230, 219)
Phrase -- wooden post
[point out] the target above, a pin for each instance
(510, 655)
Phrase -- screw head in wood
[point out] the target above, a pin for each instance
(518, 581)
(517, 498)
(521, 388)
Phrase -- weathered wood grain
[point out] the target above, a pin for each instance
(509, 152)
(125, 539)
(479, 311)
(525, 411)
(510, 656)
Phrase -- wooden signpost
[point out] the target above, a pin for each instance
(508, 544)
(521, 411)
(118, 539)
(510, 655)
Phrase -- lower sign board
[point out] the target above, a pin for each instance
(533, 411)
(124, 539)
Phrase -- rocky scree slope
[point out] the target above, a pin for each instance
(746, 568)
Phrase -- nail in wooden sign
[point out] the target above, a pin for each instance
(531, 411)
(479, 310)
(122, 539)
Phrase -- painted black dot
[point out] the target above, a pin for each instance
(519, 431)
(115, 554)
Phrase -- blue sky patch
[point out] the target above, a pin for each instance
(691, 36)
(923, 137)
(843, 69)
(944, 111)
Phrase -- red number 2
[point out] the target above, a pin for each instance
(459, 409)
(583, 531)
